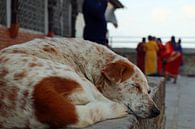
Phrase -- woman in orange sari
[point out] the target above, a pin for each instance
(173, 60)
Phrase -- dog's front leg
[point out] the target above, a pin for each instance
(98, 111)
(85, 96)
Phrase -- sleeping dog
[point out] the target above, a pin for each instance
(67, 82)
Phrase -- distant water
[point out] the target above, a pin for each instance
(132, 41)
(134, 45)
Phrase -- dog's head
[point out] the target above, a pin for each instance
(125, 83)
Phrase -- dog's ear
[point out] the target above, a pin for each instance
(118, 71)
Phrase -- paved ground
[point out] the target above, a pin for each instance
(180, 104)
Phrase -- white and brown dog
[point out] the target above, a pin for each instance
(60, 82)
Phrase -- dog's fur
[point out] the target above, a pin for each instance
(61, 82)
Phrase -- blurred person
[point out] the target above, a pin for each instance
(180, 49)
(95, 22)
(178, 46)
(141, 55)
(173, 60)
(160, 56)
(151, 49)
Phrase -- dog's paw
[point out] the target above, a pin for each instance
(119, 110)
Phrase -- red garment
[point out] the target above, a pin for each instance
(140, 56)
(174, 59)
(172, 67)
(160, 58)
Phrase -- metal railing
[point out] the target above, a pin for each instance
(132, 41)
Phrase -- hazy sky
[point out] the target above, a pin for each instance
(156, 17)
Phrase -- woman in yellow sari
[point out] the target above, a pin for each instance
(151, 49)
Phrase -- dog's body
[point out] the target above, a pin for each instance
(63, 82)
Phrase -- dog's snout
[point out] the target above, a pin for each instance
(154, 112)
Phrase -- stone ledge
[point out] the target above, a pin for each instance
(158, 93)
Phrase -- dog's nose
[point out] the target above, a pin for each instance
(154, 112)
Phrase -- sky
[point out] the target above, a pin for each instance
(161, 18)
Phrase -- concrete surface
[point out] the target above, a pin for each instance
(180, 104)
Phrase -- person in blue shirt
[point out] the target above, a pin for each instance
(95, 22)
(178, 46)
(180, 49)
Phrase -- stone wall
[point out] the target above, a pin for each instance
(189, 64)
(158, 94)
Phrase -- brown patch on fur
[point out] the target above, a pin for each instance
(34, 59)
(4, 111)
(1, 97)
(118, 71)
(34, 65)
(136, 76)
(19, 51)
(139, 88)
(3, 59)
(51, 101)
(3, 72)
(3, 51)
(23, 103)
(12, 95)
(98, 49)
(23, 100)
(26, 93)
(109, 57)
(51, 44)
(49, 49)
(19, 76)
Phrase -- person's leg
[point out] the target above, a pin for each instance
(175, 80)
(167, 76)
